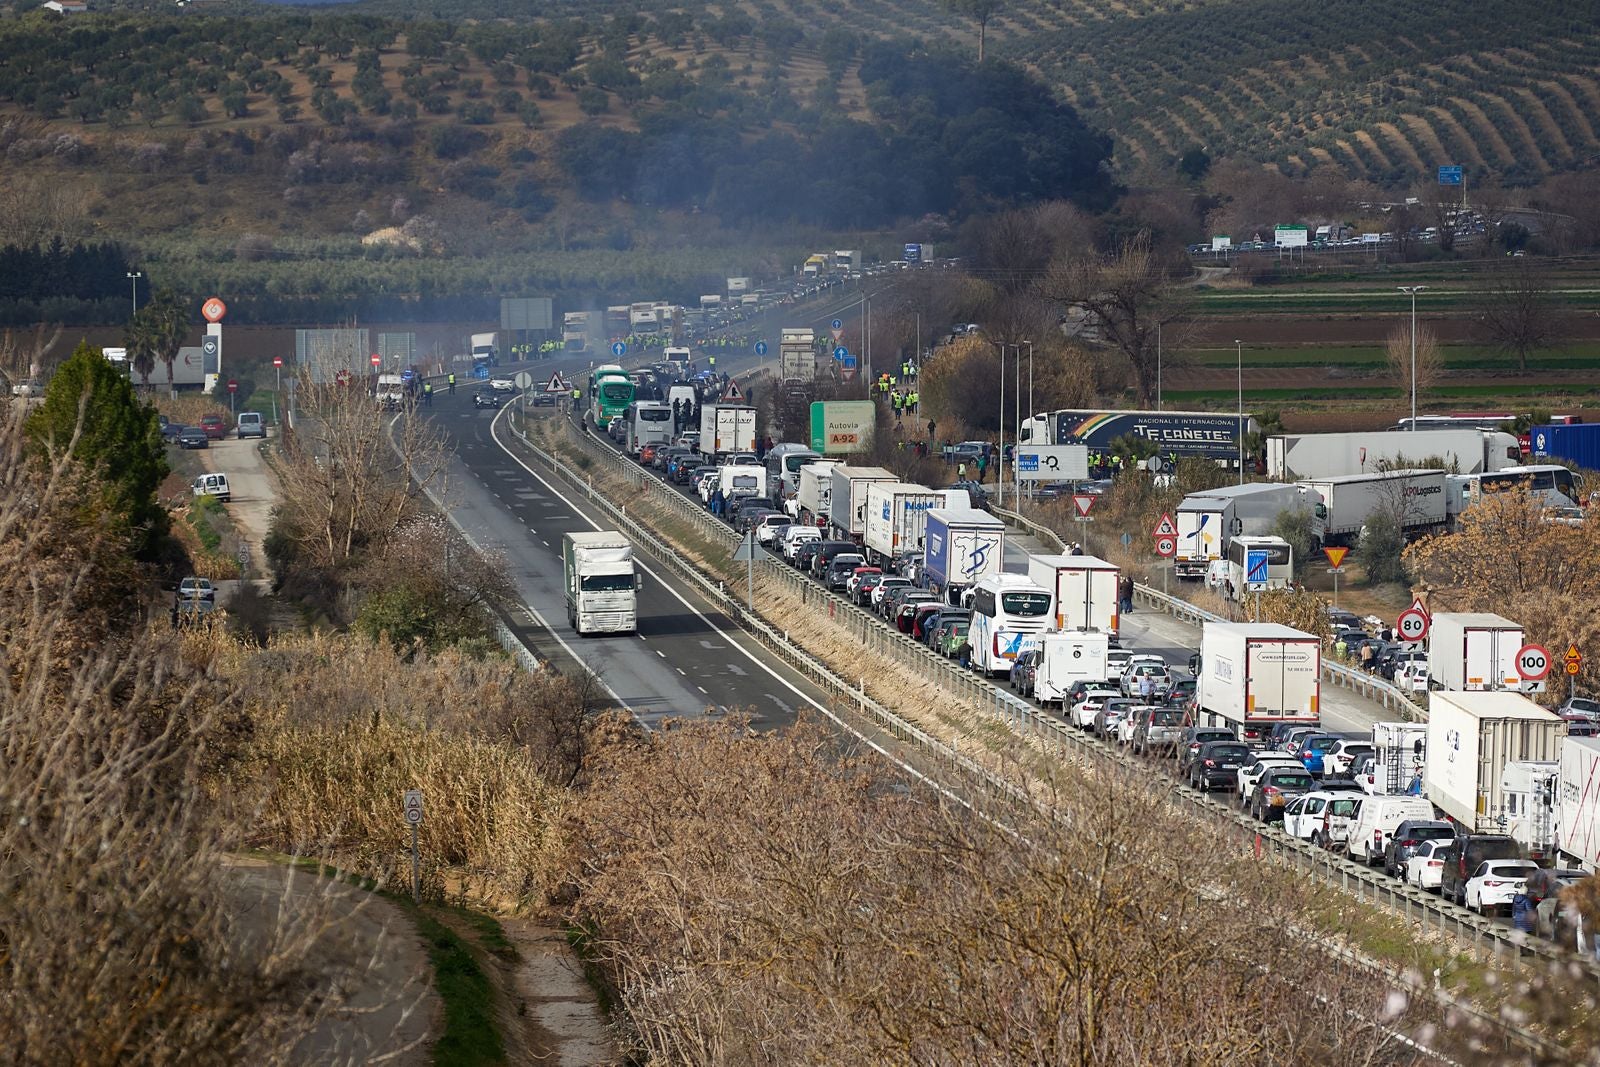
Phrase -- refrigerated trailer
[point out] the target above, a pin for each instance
(1578, 802)
(1256, 675)
(1476, 650)
(847, 505)
(961, 547)
(897, 518)
(1085, 589)
(1471, 738)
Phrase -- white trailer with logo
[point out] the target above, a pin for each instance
(1256, 675)
(1471, 739)
(1085, 589)
(897, 518)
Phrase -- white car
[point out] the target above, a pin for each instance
(1083, 712)
(1425, 866)
(1322, 817)
(1116, 661)
(891, 581)
(1340, 760)
(769, 526)
(27, 387)
(1251, 772)
(795, 536)
(1140, 667)
(1496, 883)
(1412, 677)
(854, 582)
(502, 385)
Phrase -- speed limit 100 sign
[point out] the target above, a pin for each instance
(1412, 625)
(1533, 663)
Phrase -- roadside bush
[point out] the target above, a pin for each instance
(1380, 549)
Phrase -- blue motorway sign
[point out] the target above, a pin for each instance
(761, 348)
(1450, 176)
(619, 349)
(840, 352)
(1255, 568)
(836, 324)
(849, 362)
(1027, 461)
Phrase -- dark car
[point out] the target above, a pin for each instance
(193, 437)
(806, 553)
(922, 618)
(485, 400)
(214, 426)
(1024, 672)
(889, 603)
(1276, 788)
(1195, 736)
(905, 611)
(542, 399)
(840, 568)
(1111, 712)
(171, 430)
(1215, 765)
(1410, 836)
(1463, 857)
(863, 591)
(1281, 731)
(975, 492)
(687, 474)
(1181, 694)
(825, 552)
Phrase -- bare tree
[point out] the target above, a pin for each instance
(1518, 315)
(1128, 296)
(24, 357)
(1429, 360)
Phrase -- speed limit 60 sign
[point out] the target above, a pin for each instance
(1533, 662)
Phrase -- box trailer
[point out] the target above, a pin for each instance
(1291, 457)
(1576, 443)
(1256, 675)
(726, 428)
(1067, 658)
(1416, 498)
(797, 362)
(1208, 521)
(1085, 589)
(961, 547)
(1578, 802)
(1471, 738)
(1476, 650)
(896, 517)
(847, 507)
(813, 494)
(600, 583)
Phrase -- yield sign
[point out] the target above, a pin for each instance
(732, 393)
(1084, 502)
(556, 385)
(837, 333)
(1166, 527)
(1335, 556)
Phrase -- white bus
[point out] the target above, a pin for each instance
(1280, 563)
(649, 422)
(1009, 612)
(1551, 484)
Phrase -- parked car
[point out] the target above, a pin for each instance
(1412, 677)
(1112, 711)
(1216, 764)
(170, 430)
(1251, 774)
(1116, 662)
(1496, 883)
(769, 526)
(1025, 672)
(1424, 867)
(1309, 750)
(1140, 668)
(906, 606)
(1410, 836)
(952, 637)
(840, 567)
(862, 594)
(28, 387)
(214, 427)
(886, 585)
(1377, 820)
(1341, 758)
(861, 574)
(1580, 707)
(1464, 855)
(193, 588)
(1276, 788)
(1082, 712)
(795, 536)
(941, 623)
(923, 617)
(1321, 817)
(193, 437)
(1181, 695)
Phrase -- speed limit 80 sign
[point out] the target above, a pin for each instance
(1533, 662)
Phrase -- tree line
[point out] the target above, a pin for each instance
(55, 270)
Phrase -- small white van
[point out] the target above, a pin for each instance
(250, 425)
(212, 485)
(1375, 821)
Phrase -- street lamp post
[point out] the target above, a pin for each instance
(1000, 477)
(1016, 423)
(1158, 366)
(1412, 291)
(133, 277)
(1238, 350)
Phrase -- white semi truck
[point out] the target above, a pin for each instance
(1208, 521)
(1085, 590)
(1471, 738)
(896, 518)
(725, 429)
(813, 495)
(1416, 498)
(1291, 457)
(1256, 675)
(847, 506)
(600, 582)
(1476, 650)
(1578, 802)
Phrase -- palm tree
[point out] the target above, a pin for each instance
(139, 337)
(168, 321)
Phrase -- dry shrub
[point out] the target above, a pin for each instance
(185, 409)
(331, 756)
(778, 899)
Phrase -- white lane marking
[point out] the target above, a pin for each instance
(702, 689)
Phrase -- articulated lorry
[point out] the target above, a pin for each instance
(600, 582)
(1476, 650)
(1256, 675)
(1174, 433)
(725, 429)
(848, 504)
(961, 547)
(1578, 802)
(1471, 738)
(1208, 521)
(1085, 590)
(1292, 457)
(813, 495)
(1414, 497)
(896, 518)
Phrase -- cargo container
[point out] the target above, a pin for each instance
(1066, 658)
(797, 362)
(813, 494)
(1256, 675)
(896, 518)
(1578, 443)
(726, 428)
(599, 582)
(1470, 651)
(1578, 802)
(1471, 738)
(961, 547)
(847, 507)
(1208, 521)
(1291, 457)
(1415, 497)
(1085, 590)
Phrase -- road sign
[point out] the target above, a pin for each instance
(848, 363)
(1166, 546)
(1450, 176)
(376, 359)
(1412, 625)
(523, 380)
(1166, 527)
(1533, 662)
(1084, 502)
(277, 361)
(761, 348)
(1052, 463)
(836, 325)
(1573, 659)
(732, 394)
(413, 805)
(213, 310)
(840, 352)
(619, 349)
(1255, 568)
(1127, 539)
(1335, 556)
(233, 385)
(556, 385)
(208, 347)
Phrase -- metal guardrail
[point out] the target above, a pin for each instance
(1375, 689)
(1371, 886)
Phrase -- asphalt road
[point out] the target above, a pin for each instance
(687, 660)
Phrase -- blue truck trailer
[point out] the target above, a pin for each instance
(961, 547)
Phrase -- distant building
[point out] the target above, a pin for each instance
(67, 7)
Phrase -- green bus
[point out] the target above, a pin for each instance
(610, 391)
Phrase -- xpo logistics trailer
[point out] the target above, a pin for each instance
(961, 547)
(600, 582)
(1208, 521)
(1470, 651)
(1256, 675)
(1085, 590)
(1416, 498)
(896, 518)
(1471, 738)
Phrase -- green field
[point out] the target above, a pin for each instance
(1582, 356)
(1371, 301)
(1255, 397)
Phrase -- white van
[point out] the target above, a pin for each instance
(1375, 820)
(212, 485)
(250, 425)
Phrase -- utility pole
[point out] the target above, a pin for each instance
(1238, 349)
(1412, 291)
(1000, 478)
(1158, 366)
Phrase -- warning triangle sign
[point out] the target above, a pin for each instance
(732, 394)
(556, 384)
(1166, 528)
